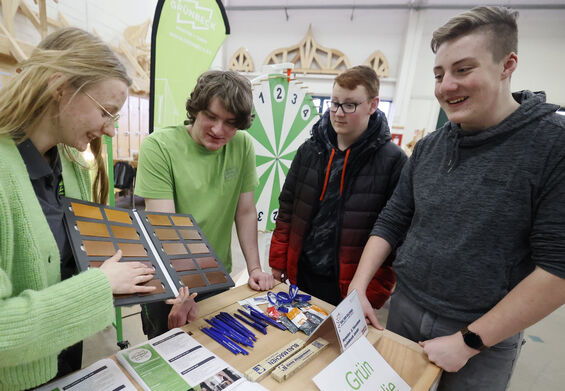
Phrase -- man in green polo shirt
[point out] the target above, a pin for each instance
(205, 168)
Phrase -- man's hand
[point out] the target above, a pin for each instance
(260, 281)
(278, 274)
(368, 310)
(184, 308)
(449, 353)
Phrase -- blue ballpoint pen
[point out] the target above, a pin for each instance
(231, 333)
(218, 340)
(219, 335)
(255, 325)
(266, 318)
(236, 324)
(259, 319)
(230, 319)
(223, 337)
(221, 325)
(252, 318)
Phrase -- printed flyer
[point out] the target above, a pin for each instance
(175, 361)
(103, 375)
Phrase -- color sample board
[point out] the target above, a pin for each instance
(172, 243)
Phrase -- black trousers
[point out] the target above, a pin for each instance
(323, 287)
(69, 360)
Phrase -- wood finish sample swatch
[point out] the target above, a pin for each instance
(157, 284)
(216, 277)
(190, 234)
(132, 250)
(159, 220)
(183, 264)
(88, 211)
(206, 263)
(182, 221)
(93, 229)
(174, 248)
(198, 248)
(166, 234)
(122, 232)
(96, 248)
(192, 280)
(118, 216)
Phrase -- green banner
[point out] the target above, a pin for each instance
(187, 35)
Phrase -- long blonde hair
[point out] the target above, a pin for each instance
(83, 60)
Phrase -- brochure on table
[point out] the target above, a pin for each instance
(175, 361)
(103, 375)
(360, 367)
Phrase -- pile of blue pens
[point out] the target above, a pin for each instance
(229, 332)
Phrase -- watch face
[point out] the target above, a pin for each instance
(473, 340)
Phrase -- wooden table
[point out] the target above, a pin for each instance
(405, 356)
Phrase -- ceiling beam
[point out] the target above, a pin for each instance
(416, 6)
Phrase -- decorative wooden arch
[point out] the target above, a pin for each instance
(137, 52)
(241, 61)
(379, 63)
(11, 47)
(310, 57)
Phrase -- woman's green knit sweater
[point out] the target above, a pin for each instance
(39, 314)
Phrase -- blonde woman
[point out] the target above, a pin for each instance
(65, 96)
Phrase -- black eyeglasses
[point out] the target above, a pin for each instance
(347, 108)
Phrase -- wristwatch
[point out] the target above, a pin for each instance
(471, 339)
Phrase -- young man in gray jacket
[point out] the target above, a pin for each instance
(482, 204)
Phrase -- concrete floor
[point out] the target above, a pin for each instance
(538, 368)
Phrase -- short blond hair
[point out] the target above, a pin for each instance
(499, 22)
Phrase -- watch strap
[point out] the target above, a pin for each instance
(471, 339)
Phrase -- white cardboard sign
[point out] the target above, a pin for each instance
(360, 367)
(349, 321)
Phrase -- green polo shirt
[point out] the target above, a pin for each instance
(205, 184)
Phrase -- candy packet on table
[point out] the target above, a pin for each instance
(314, 309)
(299, 319)
(288, 324)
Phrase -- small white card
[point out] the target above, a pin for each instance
(349, 320)
(360, 367)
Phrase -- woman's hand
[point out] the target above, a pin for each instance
(126, 277)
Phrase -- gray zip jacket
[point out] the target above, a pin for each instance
(480, 210)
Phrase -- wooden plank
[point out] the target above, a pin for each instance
(42, 18)
(122, 135)
(134, 121)
(15, 48)
(32, 16)
(9, 9)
